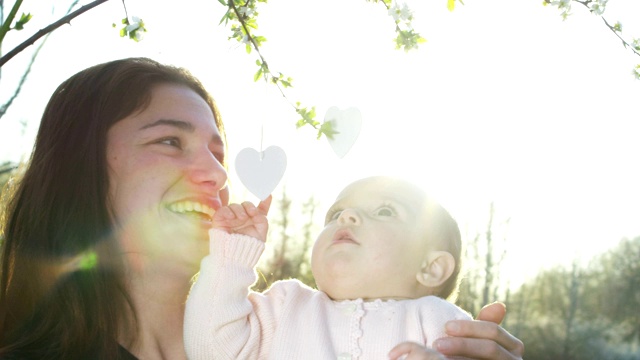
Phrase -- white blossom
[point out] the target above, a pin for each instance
(562, 4)
(246, 11)
(134, 24)
(401, 13)
(138, 35)
(597, 8)
(565, 6)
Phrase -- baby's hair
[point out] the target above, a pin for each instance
(442, 231)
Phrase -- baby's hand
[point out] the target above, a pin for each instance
(245, 218)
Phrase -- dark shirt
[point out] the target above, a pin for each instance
(126, 355)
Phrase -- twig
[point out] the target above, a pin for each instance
(7, 23)
(64, 20)
(7, 169)
(586, 3)
(23, 79)
(257, 49)
(7, 104)
(626, 44)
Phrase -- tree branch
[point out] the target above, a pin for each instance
(586, 3)
(23, 79)
(624, 42)
(7, 24)
(9, 168)
(64, 20)
(257, 49)
(7, 104)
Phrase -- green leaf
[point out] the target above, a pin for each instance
(247, 47)
(618, 26)
(258, 74)
(327, 129)
(23, 20)
(223, 2)
(451, 4)
(123, 32)
(224, 18)
(252, 24)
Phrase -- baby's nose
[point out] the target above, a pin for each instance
(349, 216)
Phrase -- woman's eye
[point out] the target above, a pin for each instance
(385, 211)
(172, 141)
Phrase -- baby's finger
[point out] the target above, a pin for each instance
(249, 208)
(224, 213)
(239, 211)
(264, 205)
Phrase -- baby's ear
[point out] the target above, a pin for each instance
(436, 269)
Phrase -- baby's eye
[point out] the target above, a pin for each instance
(385, 211)
(333, 215)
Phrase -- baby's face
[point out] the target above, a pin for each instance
(373, 244)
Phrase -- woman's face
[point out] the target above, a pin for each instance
(166, 179)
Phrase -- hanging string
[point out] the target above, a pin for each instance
(261, 141)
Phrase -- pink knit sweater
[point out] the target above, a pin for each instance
(224, 320)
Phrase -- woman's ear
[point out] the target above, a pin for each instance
(436, 269)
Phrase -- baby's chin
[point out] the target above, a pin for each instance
(366, 295)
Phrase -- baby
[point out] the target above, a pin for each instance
(384, 264)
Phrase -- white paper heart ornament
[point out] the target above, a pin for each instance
(347, 124)
(260, 172)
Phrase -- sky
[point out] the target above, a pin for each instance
(506, 103)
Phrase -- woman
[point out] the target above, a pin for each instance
(109, 222)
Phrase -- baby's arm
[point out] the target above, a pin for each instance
(245, 219)
(220, 322)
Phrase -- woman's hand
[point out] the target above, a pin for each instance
(482, 338)
(414, 351)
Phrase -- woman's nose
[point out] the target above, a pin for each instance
(206, 170)
(349, 217)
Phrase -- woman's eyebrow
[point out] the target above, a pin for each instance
(182, 125)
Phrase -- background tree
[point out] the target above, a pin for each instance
(481, 263)
(288, 249)
(582, 312)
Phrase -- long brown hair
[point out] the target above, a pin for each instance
(62, 292)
